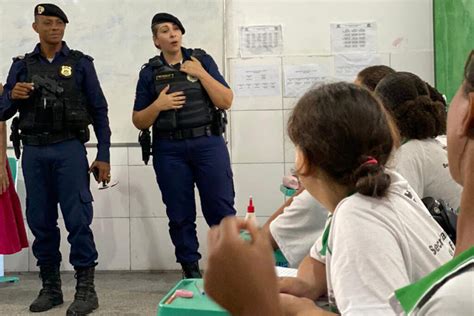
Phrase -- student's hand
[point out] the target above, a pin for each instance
(297, 306)
(240, 274)
(193, 67)
(22, 90)
(4, 182)
(296, 287)
(102, 170)
(172, 101)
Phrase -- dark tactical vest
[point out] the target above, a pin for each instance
(198, 109)
(57, 105)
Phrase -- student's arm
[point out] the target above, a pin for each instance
(221, 96)
(310, 281)
(300, 306)
(266, 226)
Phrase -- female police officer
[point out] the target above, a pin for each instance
(177, 93)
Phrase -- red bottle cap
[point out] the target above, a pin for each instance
(250, 208)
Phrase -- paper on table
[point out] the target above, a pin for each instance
(285, 272)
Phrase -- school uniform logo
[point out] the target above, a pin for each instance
(65, 71)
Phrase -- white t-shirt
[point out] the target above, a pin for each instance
(448, 290)
(375, 246)
(455, 297)
(298, 227)
(424, 164)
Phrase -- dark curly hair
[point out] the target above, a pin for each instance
(343, 130)
(435, 95)
(369, 77)
(407, 97)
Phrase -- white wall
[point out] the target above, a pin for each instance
(130, 224)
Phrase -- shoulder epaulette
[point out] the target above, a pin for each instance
(19, 57)
(76, 54)
(198, 53)
(154, 62)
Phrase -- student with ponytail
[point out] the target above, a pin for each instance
(421, 159)
(379, 236)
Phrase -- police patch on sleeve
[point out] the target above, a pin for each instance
(65, 71)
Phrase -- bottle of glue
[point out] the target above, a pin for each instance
(250, 216)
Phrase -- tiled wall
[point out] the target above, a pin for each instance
(130, 224)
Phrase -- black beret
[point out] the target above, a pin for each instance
(49, 9)
(166, 17)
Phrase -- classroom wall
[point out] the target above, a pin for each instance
(130, 223)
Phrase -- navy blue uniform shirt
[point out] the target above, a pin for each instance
(146, 93)
(86, 79)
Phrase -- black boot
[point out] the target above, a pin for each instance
(85, 299)
(51, 294)
(191, 270)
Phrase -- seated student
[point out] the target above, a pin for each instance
(369, 77)
(454, 290)
(435, 95)
(295, 226)
(379, 238)
(421, 159)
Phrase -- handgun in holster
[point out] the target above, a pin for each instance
(144, 138)
(219, 122)
(15, 136)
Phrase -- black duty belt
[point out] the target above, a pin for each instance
(46, 138)
(184, 133)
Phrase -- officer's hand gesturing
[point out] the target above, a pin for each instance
(101, 171)
(193, 67)
(22, 90)
(171, 101)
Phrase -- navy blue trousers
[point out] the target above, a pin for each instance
(58, 173)
(179, 164)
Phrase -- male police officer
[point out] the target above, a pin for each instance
(178, 93)
(57, 93)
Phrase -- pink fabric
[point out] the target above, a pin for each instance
(12, 227)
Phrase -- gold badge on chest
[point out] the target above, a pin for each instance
(65, 71)
(191, 78)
